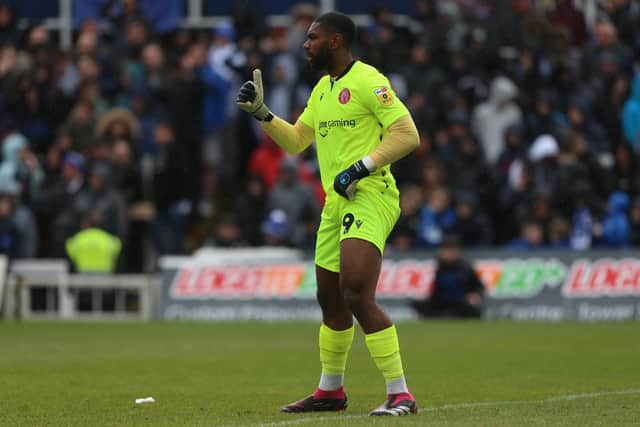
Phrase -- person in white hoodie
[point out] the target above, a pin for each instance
(491, 118)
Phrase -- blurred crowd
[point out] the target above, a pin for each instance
(528, 112)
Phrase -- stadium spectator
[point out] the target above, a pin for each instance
(437, 218)
(580, 120)
(514, 149)
(472, 227)
(634, 220)
(118, 124)
(581, 237)
(274, 229)
(52, 205)
(559, 233)
(20, 163)
(631, 116)
(565, 14)
(155, 71)
(265, 162)
(8, 30)
(19, 229)
(627, 170)
(614, 229)
(457, 290)
(168, 177)
(92, 249)
(126, 176)
(227, 233)
(470, 169)
(80, 125)
(492, 117)
(185, 98)
(8, 230)
(544, 117)
(543, 155)
(250, 209)
(119, 14)
(531, 237)
(405, 233)
(298, 204)
(99, 199)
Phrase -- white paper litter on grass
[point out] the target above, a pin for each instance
(145, 400)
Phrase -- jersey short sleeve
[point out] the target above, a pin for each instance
(380, 98)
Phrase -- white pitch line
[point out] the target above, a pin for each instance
(566, 397)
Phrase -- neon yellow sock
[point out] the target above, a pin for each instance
(334, 349)
(385, 350)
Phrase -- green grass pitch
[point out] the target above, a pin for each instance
(238, 374)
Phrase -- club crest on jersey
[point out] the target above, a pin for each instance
(344, 96)
(384, 96)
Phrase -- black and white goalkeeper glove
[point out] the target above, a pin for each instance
(346, 182)
(251, 98)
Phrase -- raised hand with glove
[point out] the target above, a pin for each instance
(251, 98)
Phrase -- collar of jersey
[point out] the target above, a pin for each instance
(346, 70)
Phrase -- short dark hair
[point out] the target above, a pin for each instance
(339, 23)
(450, 241)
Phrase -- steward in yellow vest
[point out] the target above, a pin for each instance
(93, 250)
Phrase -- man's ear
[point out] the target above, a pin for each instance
(336, 41)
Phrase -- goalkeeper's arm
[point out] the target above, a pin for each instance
(292, 138)
(401, 139)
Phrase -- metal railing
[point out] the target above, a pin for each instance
(195, 19)
(60, 293)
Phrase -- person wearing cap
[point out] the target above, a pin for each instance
(457, 291)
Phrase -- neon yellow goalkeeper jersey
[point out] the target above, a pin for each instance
(350, 116)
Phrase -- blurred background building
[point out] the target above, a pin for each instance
(123, 111)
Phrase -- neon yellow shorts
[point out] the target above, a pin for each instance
(370, 216)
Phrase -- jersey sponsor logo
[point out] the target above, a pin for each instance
(344, 96)
(325, 125)
(384, 96)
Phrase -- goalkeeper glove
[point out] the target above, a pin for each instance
(346, 181)
(251, 99)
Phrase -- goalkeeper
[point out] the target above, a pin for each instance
(360, 128)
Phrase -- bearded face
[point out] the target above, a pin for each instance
(317, 47)
(321, 59)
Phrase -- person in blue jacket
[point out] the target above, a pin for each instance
(631, 116)
(614, 230)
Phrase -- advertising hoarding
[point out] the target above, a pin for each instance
(537, 286)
